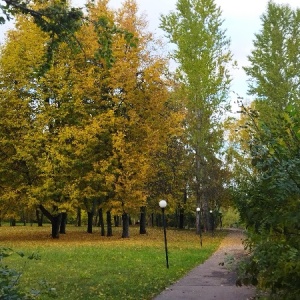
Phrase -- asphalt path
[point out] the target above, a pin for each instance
(215, 279)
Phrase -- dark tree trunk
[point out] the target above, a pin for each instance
(39, 217)
(117, 221)
(101, 222)
(109, 224)
(96, 220)
(12, 222)
(206, 215)
(56, 221)
(177, 218)
(63, 223)
(78, 217)
(181, 210)
(125, 224)
(24, 218)
(90, 222)
(152, 219)
(157, 220)
(181, 218)
(143, 220)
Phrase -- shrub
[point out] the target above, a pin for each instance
(10, 279)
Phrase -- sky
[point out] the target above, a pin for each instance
(241, 20)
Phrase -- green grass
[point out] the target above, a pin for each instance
(88, 266)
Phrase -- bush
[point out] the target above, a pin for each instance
(10, 279)
(274, 265)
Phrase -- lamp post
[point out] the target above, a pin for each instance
(162, 205)
(199, 219)
(212, 222)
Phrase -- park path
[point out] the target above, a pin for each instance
(213, 280)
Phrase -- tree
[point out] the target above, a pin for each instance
(55, 18)
(202, 56)
(20, 146)
(140, 96)
(93, 121)
(274, 61)
(268, 203)
(268, 198)
(54, 108)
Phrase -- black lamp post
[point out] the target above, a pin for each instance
(162, 205)
(199, 220)
(212, 222)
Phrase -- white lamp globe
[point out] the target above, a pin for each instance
(198, 209)
(162, 203)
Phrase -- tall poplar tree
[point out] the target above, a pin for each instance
(202, 55)
(268, 198)
(275, 60)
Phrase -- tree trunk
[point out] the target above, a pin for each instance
(39, 217)
(63, 223)
(125, 224)
(90, 222)
(24, 218)
(12, 222)
(212, 222)
(117, 221)
(181, 210)
(95, 221)
(181, 218)
(78, 217)
(152, 220)
(158, 220)
(206, 217)
(101, 222)
(143, 220)
(109, 224)
(56, 221)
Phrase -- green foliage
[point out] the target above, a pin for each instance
(105, 33)
(275, 58)
(56, 18)
(269, 204)
(273, 266)
(268, 197)
(203, 57)
(8, 278)
(10, 288)
(231, 217)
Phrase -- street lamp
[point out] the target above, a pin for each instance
(212, 222)
(199, 219)
(162, 205)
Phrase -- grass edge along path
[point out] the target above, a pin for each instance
(87, 266)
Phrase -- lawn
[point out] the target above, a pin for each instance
(87, 266)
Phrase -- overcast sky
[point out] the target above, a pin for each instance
(242, 20)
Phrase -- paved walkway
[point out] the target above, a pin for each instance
(210, 280)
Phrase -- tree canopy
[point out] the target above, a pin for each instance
(267, 193)
(203, 57)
